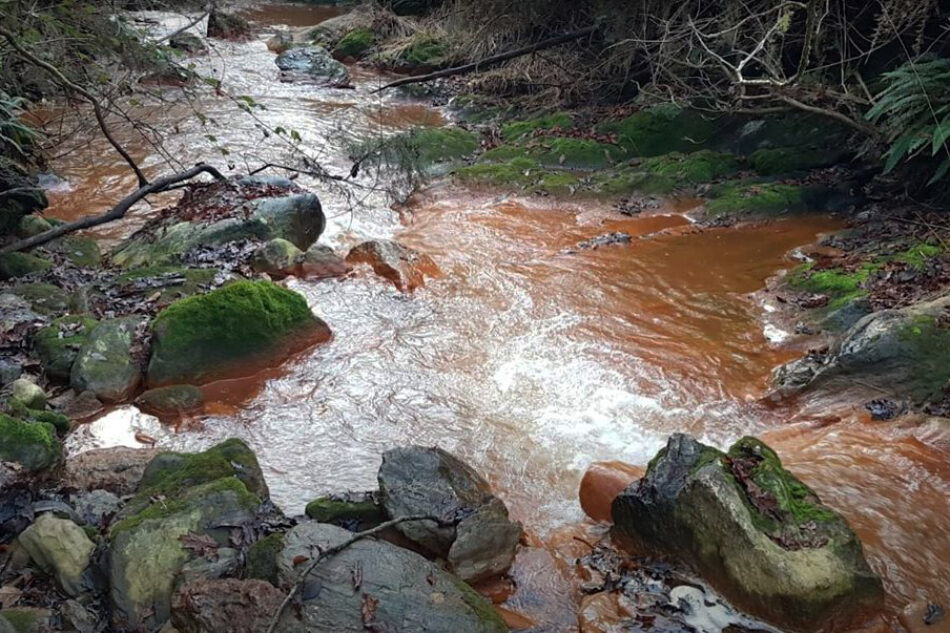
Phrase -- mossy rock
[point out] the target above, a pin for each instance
(59, 343)
(169, 474)
(691, 169)
(752, 530)
(171, 401)
(661, 130)
(841, 286)
(789, 160)
(59, 421)
(761, 199)
(521, 173)
(424, 51)
(25, 620)
(208, 336)
(356, 43)
(43, 298)
(108, 364)
(13, 265)
(262, 558)
(192, 281)
(520, 129)
(30, 225)
(574, 153)
(32, 445)
(147, 550)
(79, 250)
(350, 511)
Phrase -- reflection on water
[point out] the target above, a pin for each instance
(525, 358)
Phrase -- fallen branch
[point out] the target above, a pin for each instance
(336, 549)
(117, 212)
(488, 62)
(72, 87)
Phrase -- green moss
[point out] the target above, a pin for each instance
(842, 286)
(169, 474)
(14, 265)
(917, 256)
(33, 445)
(81, 251)
(24, 620)
(482, 609)
(518, 172)
(786, 160)
(333, 510)
(558, 152)
(169, 507)
(691, 169)
(194, 337)
(44, 298)
(58, 344)
(559, 182)
(262, 558)
(355, 43)
(755, 199)
(58, 421)
(519, 129)
(796, 501)
(660, 130)
(425, 50)
(628, 180)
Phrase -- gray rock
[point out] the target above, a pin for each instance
(315, 62)
(320, 262)
(117, 469)
(58, 344)
(277, 257)
(399, 590)
(480, 542)
(95, 506)
(61, 548)
(15, 313)
(753, 531)
(225, 562)
(29, 393)
(78, 617)
(902, 353)
(10, 370)
(107, 364)
(225, 606)
(173, 400)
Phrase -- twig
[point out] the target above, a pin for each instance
(493, 60)
(336, 549)
(117, 212)
(66, 83)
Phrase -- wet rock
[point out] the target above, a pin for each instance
(280, 42)
(608, 239)
(403, 266)
(416, 481)
(315, 62)
(353, 511)
(227, 26)
(320, 262)
(188, 43)
(277, 257)
(108, 364)
(398, 590)
(25, 620)
(230, 214)
(757, 534)
(13, 265)
(80, 406)
(147, 549)
(604, 612)
(96, 506)
(58, 344)
(903, 353)
(171, 401)
(331, 31)
(33, 445)
(225, 606)
(116, 469)
(884, 409)
(29, 393)
(220, 334)
(601, 484)
(60, 548)
(171, 473)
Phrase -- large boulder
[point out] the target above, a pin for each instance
(108, 364)
(315, 62)
(13, 265)
(403, 266)
(226, 212)
(59, 343)
(476, 538)
(61, 548)
(752, 530)
(221, 334)
(27, 197)
(398, 590)
(902, 353)
(148, 550)
(33, 445)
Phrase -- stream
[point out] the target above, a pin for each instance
(527, 357)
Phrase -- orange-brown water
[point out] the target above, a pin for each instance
(528, 357)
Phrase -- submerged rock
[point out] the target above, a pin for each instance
(173, 400)
(108, 364)
(220, 334)
(227, 26)
(61, 548)
(316, 62)
(903, 353)
(403, 266)
(479, 541)
(751, 529)
(398, 590)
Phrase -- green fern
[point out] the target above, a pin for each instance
(914, 113)
(13, 132)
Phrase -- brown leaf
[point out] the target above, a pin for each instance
(9, 596)
(300, 559)
(369, 609)
(201, 545)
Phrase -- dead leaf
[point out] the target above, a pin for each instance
(369, 609)
(300, 559)
(9, 596)
(201, 545)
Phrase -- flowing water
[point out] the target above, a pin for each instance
(526, 356)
